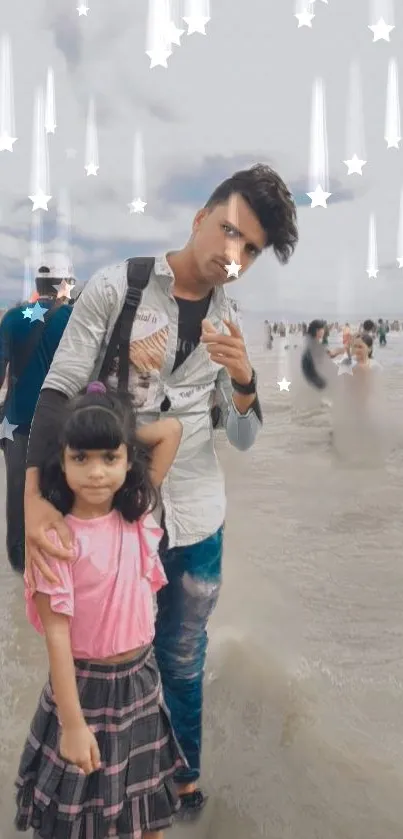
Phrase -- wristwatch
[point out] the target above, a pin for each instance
(248, 389)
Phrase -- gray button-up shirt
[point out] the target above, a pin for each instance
(193, 492)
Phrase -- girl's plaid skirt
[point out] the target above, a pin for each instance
(134, 789)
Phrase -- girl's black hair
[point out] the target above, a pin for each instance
(314, 327)
(369, 341)
(97, 429)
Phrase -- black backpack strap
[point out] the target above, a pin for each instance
(138, 275)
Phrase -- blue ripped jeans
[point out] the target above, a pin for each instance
(184, 607)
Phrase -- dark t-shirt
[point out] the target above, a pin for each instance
(191, 315)
(24, 384)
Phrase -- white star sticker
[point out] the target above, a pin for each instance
(284, 385)
(71, 154)
(6, 430)
(82, 10)
(345, 369)
(196, 23)
(174, 34)
(393, 141)
(91, 169)
(400, 261)
(319, 197)
(50, 127)
(137, 206)
(354, 165)
(64, 289)
(39, 200)
(7, 142)
(37, 313)
(233, 269)
(372, 273)
(159, 57)
(305, 18)
(27, 313)
(381, 30)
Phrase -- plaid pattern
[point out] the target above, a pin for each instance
(134, 789)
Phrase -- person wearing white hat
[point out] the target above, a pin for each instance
(29, 336)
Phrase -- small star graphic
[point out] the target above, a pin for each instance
(354, 165)
(27, 313)
(6, 430)
(345, 369)
(7, 142)
(284, 385)
(91, 169)
(37, 313)
(305, 18)
(71, 154)
(50, 127)
(82, 10)
(319, 197)
(137, 206)
(393, 141)
(381, 30)
(174, 34)
(233, 269)
(159, 57)
(64, 289)
(196, 23)
(372, 273)
(400, 261)
(39, 200)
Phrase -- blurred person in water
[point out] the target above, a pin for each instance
(361, 429)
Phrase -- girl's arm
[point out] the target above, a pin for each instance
(78, 744)
(62, 671)
(163, 437)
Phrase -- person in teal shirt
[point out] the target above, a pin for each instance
(29, 337)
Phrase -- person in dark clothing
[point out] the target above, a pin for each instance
(29, 337)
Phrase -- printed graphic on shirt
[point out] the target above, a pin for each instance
(148, 346)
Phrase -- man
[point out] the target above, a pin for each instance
(183, 361)
(382, 332)
(26, 352)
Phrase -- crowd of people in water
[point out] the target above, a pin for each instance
(378, 329)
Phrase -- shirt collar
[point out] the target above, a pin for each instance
(166, 276)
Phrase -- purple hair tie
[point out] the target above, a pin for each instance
(96, 387)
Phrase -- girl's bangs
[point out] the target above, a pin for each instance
(93, 429)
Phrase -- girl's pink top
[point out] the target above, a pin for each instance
(107, 589)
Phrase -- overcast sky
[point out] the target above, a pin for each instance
(239, 95)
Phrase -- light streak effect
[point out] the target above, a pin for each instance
(138, 205)
(372, 269)
(400, 233)
(197, 16)
(355, 143)
(159, 33)
(381, 12)
(392, 119)
(91, 143)
(318, 165)
(50, 108)
(40, 196)
(7, 114)
(304, 12)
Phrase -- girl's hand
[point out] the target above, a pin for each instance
(79, 746)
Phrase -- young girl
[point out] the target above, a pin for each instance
(100, 757)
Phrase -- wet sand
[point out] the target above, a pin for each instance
(303, 722)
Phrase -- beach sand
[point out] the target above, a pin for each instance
(303, 721)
